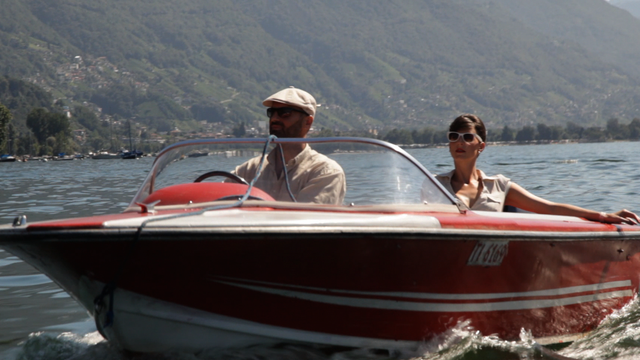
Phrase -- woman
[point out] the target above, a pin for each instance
(467, 136)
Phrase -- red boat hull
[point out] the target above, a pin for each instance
(406, 287)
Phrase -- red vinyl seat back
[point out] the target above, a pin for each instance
(200, 192)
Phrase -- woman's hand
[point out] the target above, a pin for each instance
(623, 216)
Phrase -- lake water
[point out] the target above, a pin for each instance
(40, 321)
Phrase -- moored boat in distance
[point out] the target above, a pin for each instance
(198, 153)
(102, 155)
(64, 157)
(7, 158)
(387, 268)
(134, 154)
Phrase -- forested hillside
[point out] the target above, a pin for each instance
(608, 32)
(372, 65)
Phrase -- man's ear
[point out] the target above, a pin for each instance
(309, 120)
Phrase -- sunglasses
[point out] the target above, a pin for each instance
(467, 137)
(283, 112)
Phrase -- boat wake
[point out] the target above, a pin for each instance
(617, 336)
(464, 342)
(459, 343)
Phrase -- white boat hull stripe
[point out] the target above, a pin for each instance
(435, 296)
(437, 307)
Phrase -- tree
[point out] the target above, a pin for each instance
(544, 132)
(239, 130)
(595, 134)
(325, 132)
(87, 118)
(12, 136)
(210, 113)
(26, 144)
(399, 136)
(527, 133)
(616, 130)
(424, 136)
(118, 99)
(556, 132)
(574, 131)
(37, 123)
(507, 134)
(634, 129)
(58, 125)
(45, 125)
(5, 117)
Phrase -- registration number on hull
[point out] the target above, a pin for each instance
(488, 253)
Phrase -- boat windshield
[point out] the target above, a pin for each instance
(376, 172)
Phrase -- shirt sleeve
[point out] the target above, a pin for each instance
(246, 170)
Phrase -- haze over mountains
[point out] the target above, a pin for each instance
(632, 6)
(373, 65)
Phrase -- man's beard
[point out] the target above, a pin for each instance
(294, 131)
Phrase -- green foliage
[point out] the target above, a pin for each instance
(594, 134)
(634, 129)
(507, 134)
(88, 119)
(399, 136)
(210, 113)
(5, 117)
(324, 132)
(574, 131)
(527, 133)
(125, 101)
(616, 130)
(426, 136)
(26, 144)
(239, 130)
(20, 97)
(118, 99)
(598, 27)
(51, 129)
(544, 133)
(375, 64)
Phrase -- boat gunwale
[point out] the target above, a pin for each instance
(234, 232)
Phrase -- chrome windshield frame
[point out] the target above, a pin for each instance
(157, 166)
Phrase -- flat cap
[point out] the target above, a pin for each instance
(295, 97)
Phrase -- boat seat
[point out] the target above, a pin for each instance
(200, 192)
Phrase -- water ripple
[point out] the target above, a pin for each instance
(24, 280)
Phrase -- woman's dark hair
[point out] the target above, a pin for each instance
(466, 121)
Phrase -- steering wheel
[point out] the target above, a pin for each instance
(226, 174)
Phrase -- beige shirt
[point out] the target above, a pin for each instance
(494, 190)
(313, 177)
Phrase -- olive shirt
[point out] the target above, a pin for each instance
(494, 190)
(313, 177)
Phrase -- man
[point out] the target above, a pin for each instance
(312, 176)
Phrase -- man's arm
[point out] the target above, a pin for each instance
(247, 171)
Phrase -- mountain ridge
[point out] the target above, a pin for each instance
(372, 65)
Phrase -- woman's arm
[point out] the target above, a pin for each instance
(522, 199)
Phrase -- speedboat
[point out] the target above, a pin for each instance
(201, 260)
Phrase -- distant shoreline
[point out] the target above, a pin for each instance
(514, 143)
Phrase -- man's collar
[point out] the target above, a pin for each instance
(301, 155)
